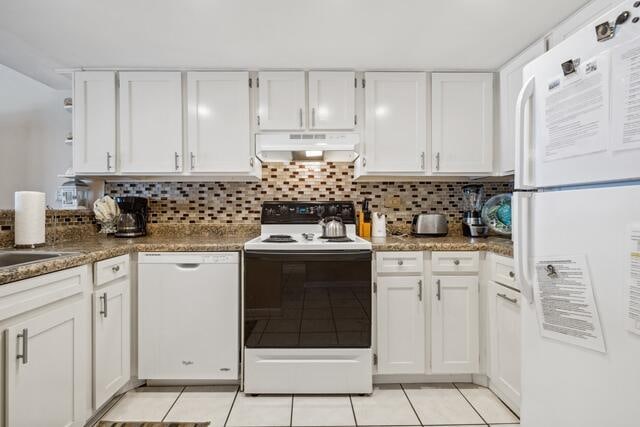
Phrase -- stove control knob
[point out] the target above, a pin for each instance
(283, 209)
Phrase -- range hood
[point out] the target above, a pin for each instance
(325, 146)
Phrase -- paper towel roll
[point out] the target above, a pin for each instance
(30, 218)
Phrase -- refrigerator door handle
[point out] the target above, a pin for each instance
(522, 243)
(523, 145)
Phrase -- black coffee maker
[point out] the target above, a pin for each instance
(132, 221)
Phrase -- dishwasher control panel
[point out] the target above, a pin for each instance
(188, 258)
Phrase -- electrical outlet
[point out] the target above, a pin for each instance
(393, 202)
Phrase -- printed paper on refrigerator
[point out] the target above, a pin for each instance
(565, 305)
(625, 95)
(632, 291)
(577, 110)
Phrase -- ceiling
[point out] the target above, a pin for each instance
(38, 36)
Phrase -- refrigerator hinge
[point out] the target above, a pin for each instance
(375, 359)
(375, 288)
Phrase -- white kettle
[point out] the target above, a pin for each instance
(379, 225)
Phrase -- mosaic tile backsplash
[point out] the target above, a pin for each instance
(239, 202)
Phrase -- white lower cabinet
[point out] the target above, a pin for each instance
(401, 324)
(455, 325)
(504, 340)
(111, 340)
(44, 368)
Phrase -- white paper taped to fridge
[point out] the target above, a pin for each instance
(625, 95)
(632, 294)
(577, 110)
(565, 305)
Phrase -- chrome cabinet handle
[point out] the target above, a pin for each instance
(422, 160)
(313, 117)
(25, 346)
(438, 294)
(419, 290)
(400, 262)
(511, 300)
(456, 262)
(512, 274)
(438, 161)
(176, 157)
(108, 161)
(115, 268)
(300, 116)
(193, 160)
(364, 162)
(103, 298)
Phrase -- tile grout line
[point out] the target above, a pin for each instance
(174, 403)
(411, 404)
(353, 411)
(470, 404)
(233, 402)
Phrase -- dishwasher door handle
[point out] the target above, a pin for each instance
(188, 266)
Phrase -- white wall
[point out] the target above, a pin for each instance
(33, 125)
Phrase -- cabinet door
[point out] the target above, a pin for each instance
(150, 122)
(281, 100)
(510, 85)
(111, 340)
(44, 368)
(401, 325)
(462, 121)
(454, 325)
(94, 122)
(219, 137)
(332, 97)
(504, 337)
(395, 123)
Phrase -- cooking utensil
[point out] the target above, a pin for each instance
(332, 227)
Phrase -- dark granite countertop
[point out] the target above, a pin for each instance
(97, 247)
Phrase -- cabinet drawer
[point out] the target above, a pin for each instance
(455, 262)
(110, 269)
(399, 262)
(502, 271)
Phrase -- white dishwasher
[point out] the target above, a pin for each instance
(188, 315)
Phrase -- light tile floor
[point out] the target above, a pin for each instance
(443, 405)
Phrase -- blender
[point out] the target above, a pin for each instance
(472, 200)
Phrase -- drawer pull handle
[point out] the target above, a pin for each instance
(115, 268)
(25, 346)
(511, 300)
(400, 262)
(103, 298)
(438, 294)
(512, 274)
(456, 262)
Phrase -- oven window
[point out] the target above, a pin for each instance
(307, 300)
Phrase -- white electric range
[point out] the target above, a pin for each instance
(307, 303)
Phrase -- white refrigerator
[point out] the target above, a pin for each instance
(578, 196)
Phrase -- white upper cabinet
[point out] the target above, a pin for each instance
(281, 100)
(395, 123)
(510, 85)
(455, 341)
(150, 122)
(401, 325)
(332, 100)
(462, 121)
(94, 122)
(219, 134)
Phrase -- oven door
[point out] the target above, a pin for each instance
(307, 299)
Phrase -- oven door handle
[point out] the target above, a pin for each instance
(347, 255)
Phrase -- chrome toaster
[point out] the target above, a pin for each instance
(430, 225)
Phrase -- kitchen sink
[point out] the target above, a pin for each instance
(16, 258)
